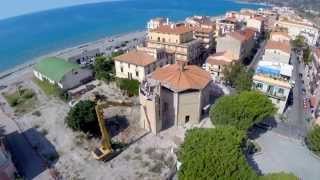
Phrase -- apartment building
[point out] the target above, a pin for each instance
(174, 95)
(240, 43)
(280, 36)
(278, 52)
(273, 79)
(136, 64)
(216, 62)
(257, 22)
(156, 22)
(226, 25)
(176, 39)
(203, 29)
(299, 27)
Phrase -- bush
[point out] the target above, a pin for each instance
(313, 140)
(131, 87)
(214, 154)
(82, 117)
(241, 111)
(279, 176)
(104, 68)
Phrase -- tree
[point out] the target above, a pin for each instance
(307, 56)
(298, 42)
(104, 68)
(82, 117)
(237, 76)
(313, 140)
(130, 86)
(214, 154)
(242, 110)
(279, 176)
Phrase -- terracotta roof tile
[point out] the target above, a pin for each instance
(283, 46)
(220, 58)
(243, 35)
(139, 58)
(172, 29)
(181, 79)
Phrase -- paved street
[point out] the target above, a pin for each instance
(282, 154)
(26, 159)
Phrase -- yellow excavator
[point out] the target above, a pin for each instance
(104, 151)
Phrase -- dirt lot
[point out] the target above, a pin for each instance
(148, 156)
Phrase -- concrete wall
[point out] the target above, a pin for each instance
(275, 55)
(170, 38)
(255, 24)
(188, 105)
(279, 38)
(227, 43)
(129, 71)
(167, 108)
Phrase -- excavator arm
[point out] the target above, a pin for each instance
(105, 148)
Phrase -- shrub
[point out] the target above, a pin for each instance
(242, 110)
(131, 87)
(82, 117)
(279, 176)
(214, 154)
(313, 140)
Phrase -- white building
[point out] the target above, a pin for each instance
(278, 52)
(156, 22)
(216, 62)
(273, 79)
(257, 23)
(280, 36)
(296, 28)
(136, 64)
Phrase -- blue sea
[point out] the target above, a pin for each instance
(26, 37)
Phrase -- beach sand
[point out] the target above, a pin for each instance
(17, 72)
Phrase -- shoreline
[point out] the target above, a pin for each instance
(95, 43)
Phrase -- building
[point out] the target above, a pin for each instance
(136, 64)
(240, 43)
(280, 36)
(256, 22)
(203, 29)
(216, 62)
(227, 25)
(176, 39)
(273, 79)
(156, 22)
(64, 74)
(174, 95)
(296, 28)
(279, 52)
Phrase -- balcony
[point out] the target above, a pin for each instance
(275, 95)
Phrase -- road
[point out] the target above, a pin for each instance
(295, 126)
(257, 56)
(282, 154)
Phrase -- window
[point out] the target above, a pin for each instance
(187, 119)
(163, 40)
(121, 69)
(137, 73)
(158, 39)
(259, 85)
(280, 91)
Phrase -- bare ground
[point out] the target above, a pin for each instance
(148, 156)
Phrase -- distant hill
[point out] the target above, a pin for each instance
(298, 4)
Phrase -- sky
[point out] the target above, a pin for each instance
(10, 8)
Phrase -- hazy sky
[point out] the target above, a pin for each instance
(10, 8)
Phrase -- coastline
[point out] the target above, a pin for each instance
(27, 66)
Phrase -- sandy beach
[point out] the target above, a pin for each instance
(19, 71)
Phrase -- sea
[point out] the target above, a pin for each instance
(26, 37)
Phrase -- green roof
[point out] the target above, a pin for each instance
(55, 68)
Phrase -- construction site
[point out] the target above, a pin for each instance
(74, 155)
